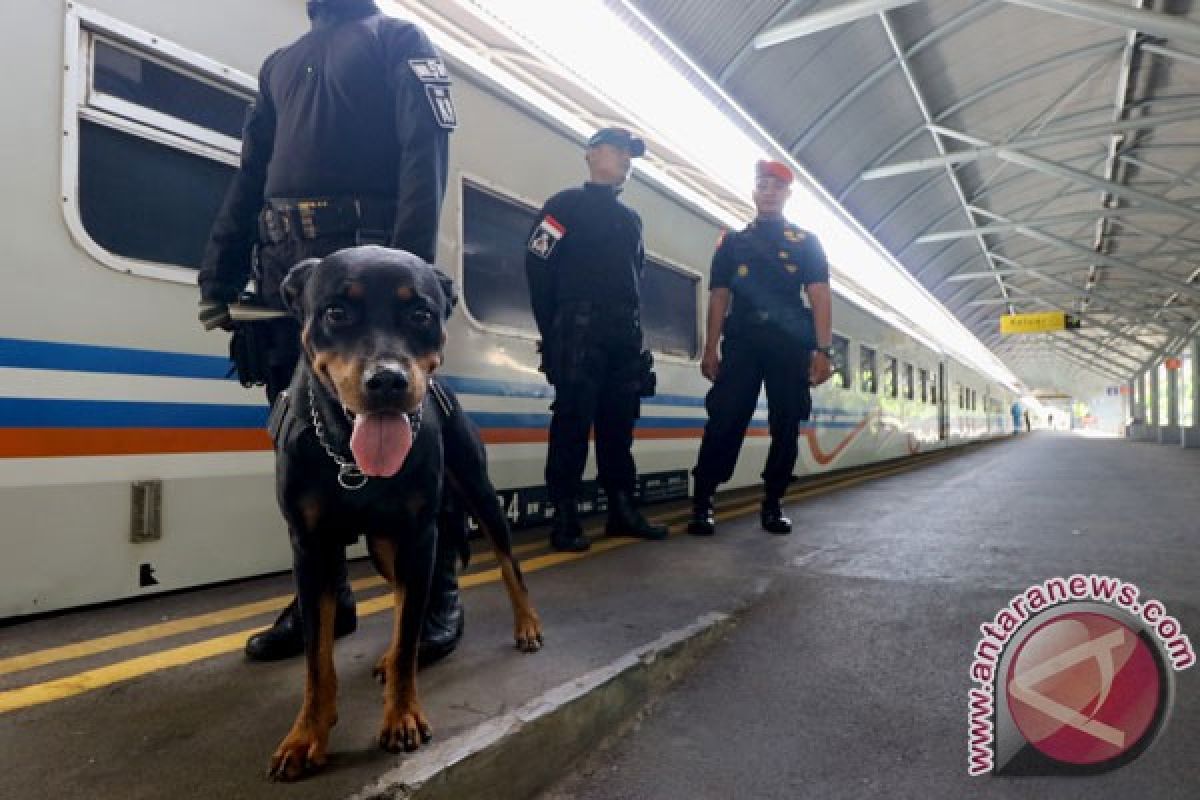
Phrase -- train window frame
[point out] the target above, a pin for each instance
(470, 180)
(82, 104)
(910, 381)
(891, 376)
(868, 381)
(923, 379)
(841, 361)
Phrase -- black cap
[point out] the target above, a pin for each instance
(619, 137)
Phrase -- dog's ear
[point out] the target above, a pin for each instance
(448, 289)
(292, 288)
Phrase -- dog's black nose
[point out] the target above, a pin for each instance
(386, 382)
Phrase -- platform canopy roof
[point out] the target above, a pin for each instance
(1013, 156)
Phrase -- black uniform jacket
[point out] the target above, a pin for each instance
(766, 266)
(585, 247)
(356, 107)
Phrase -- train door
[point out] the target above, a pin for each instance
(943, 408)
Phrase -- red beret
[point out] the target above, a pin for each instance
(777, 170)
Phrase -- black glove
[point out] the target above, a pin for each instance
(215, 315)
(214, 306)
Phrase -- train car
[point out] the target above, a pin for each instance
(131, 462)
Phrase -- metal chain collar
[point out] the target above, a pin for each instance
(350, 477)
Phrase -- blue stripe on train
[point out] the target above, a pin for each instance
(48, 413)
(27, 354)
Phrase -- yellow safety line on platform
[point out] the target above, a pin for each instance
(61, 688)
(89, 680)
(161, 630)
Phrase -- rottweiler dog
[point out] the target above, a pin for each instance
(359, 452)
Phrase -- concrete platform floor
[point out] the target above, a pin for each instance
(847, 679)
(154, 699)
(850, 680)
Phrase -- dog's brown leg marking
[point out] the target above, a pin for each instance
(383, 556)
(404, 724)
(527, 627)
(310, 511)
(303, 749)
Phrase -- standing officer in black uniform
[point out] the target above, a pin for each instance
(584, 264)
(346, 144)
(768, 335)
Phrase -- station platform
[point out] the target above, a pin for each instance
(841, 671)
(850, 679)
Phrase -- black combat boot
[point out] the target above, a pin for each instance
(285, 638)
(702, 523)
(566, 534)
(773, 520)
(625, 520)
(444, 617)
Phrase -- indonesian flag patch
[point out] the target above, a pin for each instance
(546, 236)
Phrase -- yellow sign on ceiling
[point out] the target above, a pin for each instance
(1039, 322)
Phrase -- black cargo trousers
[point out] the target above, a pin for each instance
(594, 360)
(748, 360)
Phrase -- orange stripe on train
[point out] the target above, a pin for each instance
(63, 442)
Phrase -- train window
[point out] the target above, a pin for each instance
(495, 291)
(908, 382)
(933, 390)
(152, 141)
(841, 362)
(134, 84)
(669, 309)
(494, 231)
(140, 199)
(959, 389)
(867, 377)
(924, 380)
(891, 386)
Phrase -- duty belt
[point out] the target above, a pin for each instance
(316, 217)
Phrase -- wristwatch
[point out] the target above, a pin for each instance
(827, 350)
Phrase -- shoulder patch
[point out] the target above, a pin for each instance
(442, 105)
(429, 70)
(546, 237)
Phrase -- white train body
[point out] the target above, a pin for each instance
(107, 380)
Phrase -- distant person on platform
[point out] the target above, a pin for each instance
(1028, 425)
(1016, 416)
(761, 331)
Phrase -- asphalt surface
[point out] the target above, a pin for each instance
(850, 678)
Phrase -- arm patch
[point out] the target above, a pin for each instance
(546, 236)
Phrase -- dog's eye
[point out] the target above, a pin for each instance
(421, 317)
(337, 315)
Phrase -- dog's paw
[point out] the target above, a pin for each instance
(302, 752)
(528, 634)
(404, 729)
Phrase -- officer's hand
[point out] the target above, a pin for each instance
(215, 315)
(710, 365)
(819, 368)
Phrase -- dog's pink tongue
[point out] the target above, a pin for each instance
(380, 443)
